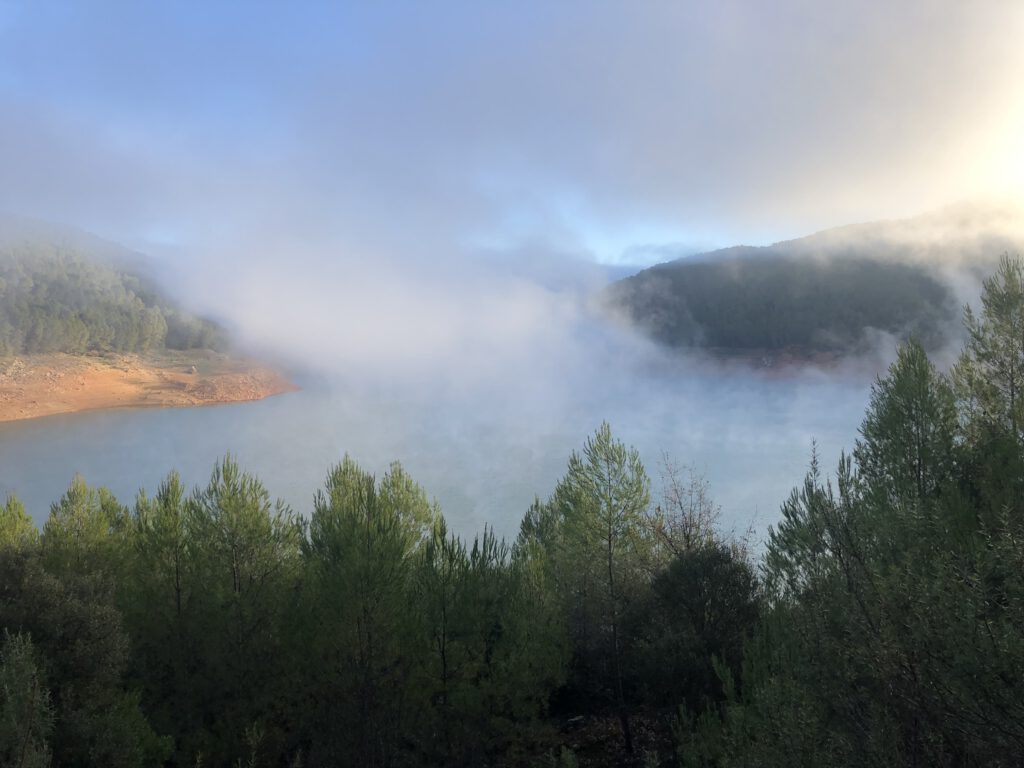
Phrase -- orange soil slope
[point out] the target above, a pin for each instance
(43, 385)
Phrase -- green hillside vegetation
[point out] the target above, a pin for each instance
(882, 625)
(754, 300)
(57, 298)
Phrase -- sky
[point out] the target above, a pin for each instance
(599, 131)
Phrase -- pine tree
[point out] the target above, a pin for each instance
(16, 527)
(602, 547)
(990, 372)
(364, 538)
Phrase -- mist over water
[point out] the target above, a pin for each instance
(479, 372)
(483, 452)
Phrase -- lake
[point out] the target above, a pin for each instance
(483, 452)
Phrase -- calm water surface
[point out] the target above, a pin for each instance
(483, 458)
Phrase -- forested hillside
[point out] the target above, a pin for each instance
(60, 297)
(831, 292)
(754, 300)
(883, 624)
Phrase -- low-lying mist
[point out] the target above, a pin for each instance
(481, 371)
(484, 449)
(481, 377)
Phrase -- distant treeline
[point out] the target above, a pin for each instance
(773, 302)
(882, 625)
(56, 299)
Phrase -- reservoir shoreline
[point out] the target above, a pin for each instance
(34, 386)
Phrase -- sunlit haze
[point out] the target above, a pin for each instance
(420, 201)
(582, 128)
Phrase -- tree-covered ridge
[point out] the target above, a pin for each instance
(882, 626)
(747, 300)
(58, 298)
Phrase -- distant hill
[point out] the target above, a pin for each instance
(66, 291)
(831, 292)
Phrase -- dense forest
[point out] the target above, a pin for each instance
(759, 300)
(882, 623)
(57, 298)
